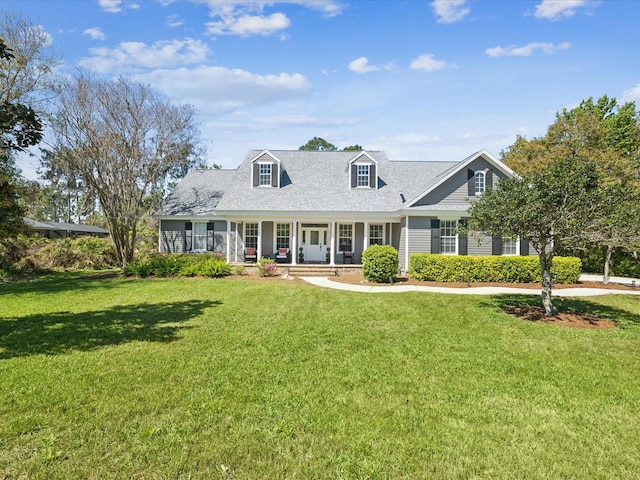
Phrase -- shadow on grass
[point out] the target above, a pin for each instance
(60, 332)
(62, 281)
(622, 318)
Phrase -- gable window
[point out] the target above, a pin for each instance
(282, 235)
(448, 237)
(509, 246)
(376, 234)
(480, 182)
(362, 176)
(265, 174)
(199, 236)
(345, 237)
(251, 235)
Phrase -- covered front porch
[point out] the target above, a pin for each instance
(309, 242)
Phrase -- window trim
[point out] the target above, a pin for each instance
(362, 176)
(479, 189)
(262, 175)
(516, 241)
(352, 231)
(277, 237)
(245, 235)
(455, 237)
(201, 236)
(383, 231)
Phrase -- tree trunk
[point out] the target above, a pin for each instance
(547, 283)
(608, 252)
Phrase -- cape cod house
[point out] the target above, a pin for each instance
(298, 206)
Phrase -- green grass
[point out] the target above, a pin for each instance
(192, 378)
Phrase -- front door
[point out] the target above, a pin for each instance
(314, 244)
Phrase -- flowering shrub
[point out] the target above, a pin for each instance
(267, 267)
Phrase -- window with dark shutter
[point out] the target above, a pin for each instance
(463, 240)
(373, 177)
(210, 237)
(354, 176)
(256, 174)
(496, 246)
(471, 184)
(275, 174)
(188, 236)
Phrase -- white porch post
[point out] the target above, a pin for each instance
(235, 243)
(365, 237)
(406, 244)
(332, 253)
(294, 243)
(259, 246)
(228, 241)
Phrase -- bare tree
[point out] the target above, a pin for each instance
(125, 141)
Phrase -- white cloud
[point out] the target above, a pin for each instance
(410, 138)
(632, 95)
(361, 65)
(246, 25)
(111, 6)
(174, 21)
(450, 11)
(219, 89)
(271, 123)
(527, 50)
(95, 33)
(428, 63)
(558, 9)
(140, 55)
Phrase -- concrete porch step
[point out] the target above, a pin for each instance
(317, 270)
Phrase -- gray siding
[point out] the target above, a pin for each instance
(484, 248)
(419, 235)
(358, 239)
(172, 236)
(220, 237)
(394, 237)
(455, 189)
(402, 241)
(267, 237)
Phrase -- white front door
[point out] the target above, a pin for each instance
(314, 244)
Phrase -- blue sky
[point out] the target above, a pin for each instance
(422, 80)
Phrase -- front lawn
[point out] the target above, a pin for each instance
(249, 379)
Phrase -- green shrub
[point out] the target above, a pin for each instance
(184, 265)
(267, 267)
(380, 263)
(240, 270)
(68, 253)
(504, 269)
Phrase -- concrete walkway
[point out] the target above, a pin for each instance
(559, 292)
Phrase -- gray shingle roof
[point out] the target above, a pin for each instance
(310, 182)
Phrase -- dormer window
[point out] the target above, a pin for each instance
(265, 174)
(363, 171)
(265, 170)
(363, 176)
(480, 182)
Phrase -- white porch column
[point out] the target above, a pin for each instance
(235, 243)
(365, 239)
(259, 246)
(228, 241)
(294, 243)
(406, 244)
(332, 253)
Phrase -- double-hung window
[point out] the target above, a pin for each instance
(251, 235)
(448, 237)
(265, 174)
(282, 235)
(199, 236)
(509, 246)
(376, 234)
(480, 182)
(345, 237)
(362, 175)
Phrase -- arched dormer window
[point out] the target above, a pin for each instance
(480, 182)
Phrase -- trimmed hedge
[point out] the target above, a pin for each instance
(179, 265)
(380, 263)
(504, 269)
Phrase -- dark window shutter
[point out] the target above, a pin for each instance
(275, 174)
(463, 240)
(210, 236)
(354, 175)
(524, 246)
(188, 236)
(256, 174)
(435, 235)
(373, 177)
(471, 183)
(496, 246)
(488, 179)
